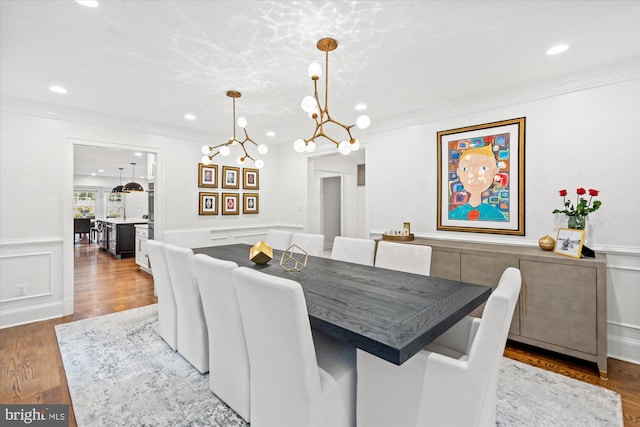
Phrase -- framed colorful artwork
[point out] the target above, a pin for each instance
(230, 204)
(250, 179)
(230, 177)
(569, 242)
(481, 178)
(207, 175)
(250, 205)
(208, 204)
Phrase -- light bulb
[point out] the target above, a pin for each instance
(311, 147)
(224, 151)
(259, 164)
(315, 70)
(240, 160)
(344, 148)
(205, 160)
(355, 145)
(299, 146)
(363, 122)
(242, 122)
(206, 149)
(262, 149)
(309, 104)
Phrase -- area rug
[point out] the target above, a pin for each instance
(121, 373)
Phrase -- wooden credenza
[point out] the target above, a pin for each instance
(563, 301)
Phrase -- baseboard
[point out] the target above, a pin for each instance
(625, 348)
(31, 314)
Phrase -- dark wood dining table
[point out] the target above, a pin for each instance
(388, 313)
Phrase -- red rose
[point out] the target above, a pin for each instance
(593, 192)
(563, 193)
(581, 191)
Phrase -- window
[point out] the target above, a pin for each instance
(84, 204)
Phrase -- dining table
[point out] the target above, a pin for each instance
(388, 313)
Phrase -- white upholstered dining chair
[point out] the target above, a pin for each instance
(313, 244)
(278, 239)
(193, 340)
(167, 314)
(404, 257)
(228, 357)
(297, 378)
(359, 251)
(452, 382)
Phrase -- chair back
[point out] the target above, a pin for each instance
(228, 357)
(284, 371)
(167, 315)
(193, 341)
(485, 354)
(313, 244)
(349, 249)
(81, 225)
(278, 239)
(404, 257)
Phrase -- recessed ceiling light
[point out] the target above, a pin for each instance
(361, 106)
(139, 154)
(190, 116)
(57, 89)
(93, 174)
(100, 170)
(557, 49)
(271, 133)
(88, 3)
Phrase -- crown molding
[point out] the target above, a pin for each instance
(611, 74)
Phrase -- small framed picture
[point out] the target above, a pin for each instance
(569, 242)
(251, 179)
(207, 176)
(230, 177)
(250, 205)
(230, 204)
(208, 203)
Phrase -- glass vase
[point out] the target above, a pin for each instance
(577, 222)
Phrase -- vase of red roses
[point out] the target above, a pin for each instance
(577, 214)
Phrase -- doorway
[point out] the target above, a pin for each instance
(102, 151)
(331, 206)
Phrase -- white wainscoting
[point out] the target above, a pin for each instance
(31, 281)
(196, 238)
(623, 306)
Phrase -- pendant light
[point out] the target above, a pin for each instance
(118, 188)
(311, 105)
(133, 185)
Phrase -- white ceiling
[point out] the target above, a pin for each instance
(145, 64)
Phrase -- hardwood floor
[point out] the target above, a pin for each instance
(31, 370)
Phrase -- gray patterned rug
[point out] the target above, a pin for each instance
(121, 373)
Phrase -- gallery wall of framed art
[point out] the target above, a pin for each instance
(229, 178)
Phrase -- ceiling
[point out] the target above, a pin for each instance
(144, 64)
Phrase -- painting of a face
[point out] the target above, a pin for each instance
(476, 172)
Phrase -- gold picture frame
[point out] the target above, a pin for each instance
(569, 242)
(251, 203)
(250, 179)
(493, 205)
(230, 177)
(208, 203)
(229, 204)
(207, 176)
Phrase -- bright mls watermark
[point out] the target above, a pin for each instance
(34, 415)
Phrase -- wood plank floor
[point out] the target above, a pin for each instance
(31, 370)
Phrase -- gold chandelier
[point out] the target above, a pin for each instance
(223, 149)
(311, 105)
